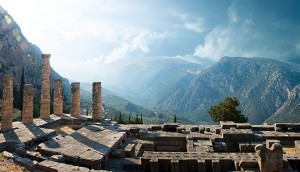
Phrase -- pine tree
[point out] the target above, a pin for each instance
(175, 119)
(141, 119)
(227, 111)
(129, 119)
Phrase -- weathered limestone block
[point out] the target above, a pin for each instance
(45, 87)
(90, 158)
(270, 160)
(129, 150)
(75, 99)
(297, 144)
(7, 102)
(216, 165)
(58, 101)
(117, 153)
(175, 165)
(269, 143)
(154, 167)
(171, 127)
(217, 130)
(97, 102)
(180, 129)
(27, 111)
(201, 165)
(227, 124)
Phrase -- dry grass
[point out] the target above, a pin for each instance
(291, 151)
(8, 167)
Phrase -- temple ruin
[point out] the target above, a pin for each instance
(45, 87)
(71, 142)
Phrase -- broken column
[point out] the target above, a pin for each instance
(7, 102)
(97, 102)
(45, 87)
(270, 159)
(58, 101)
(27, 111)
(75, 99)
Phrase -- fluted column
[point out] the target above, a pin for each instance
(7, 102)
(97, 102)
(58, 101)
(75, 99)
(45, 87)
(27, 111)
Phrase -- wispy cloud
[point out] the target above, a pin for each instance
(140, 42)
(189, 22)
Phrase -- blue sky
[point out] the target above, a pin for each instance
(88, 34)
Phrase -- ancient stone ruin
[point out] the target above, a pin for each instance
(71, 142)
(45, 87)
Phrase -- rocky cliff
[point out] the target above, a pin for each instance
(16, 52)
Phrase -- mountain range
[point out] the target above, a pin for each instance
(268, 90)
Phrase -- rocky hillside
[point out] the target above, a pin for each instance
(146, 81)
(263, 86)
(16, 52)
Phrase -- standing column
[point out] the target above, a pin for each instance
(45, 87)
(27, 111)
(97, 102)
(58, 101)
(7, 102)
(75, 99)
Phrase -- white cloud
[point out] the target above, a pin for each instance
(139, 42)
(189, 22)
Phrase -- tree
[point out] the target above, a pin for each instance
(227, 111)
(141, 120)
(175, 119)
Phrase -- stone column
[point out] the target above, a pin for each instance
(75, 99)
(27, 111)
(58, 101)
(97, 102)
(45, 87)
(7, 102)
(270, 159)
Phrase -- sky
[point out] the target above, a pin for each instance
(83, 36)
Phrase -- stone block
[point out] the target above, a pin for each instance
(269, 143)
(227, 124)
(217, 130)
(201, 165)
(129, 150)
(171, 127)
(90, 158)
(180, 129)
(117, 153)
(154, 166)
(216, 165)
(270, 159)
(194, 129)
(175, 165)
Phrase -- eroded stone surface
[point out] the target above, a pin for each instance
(7, 102)
(45, 87)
